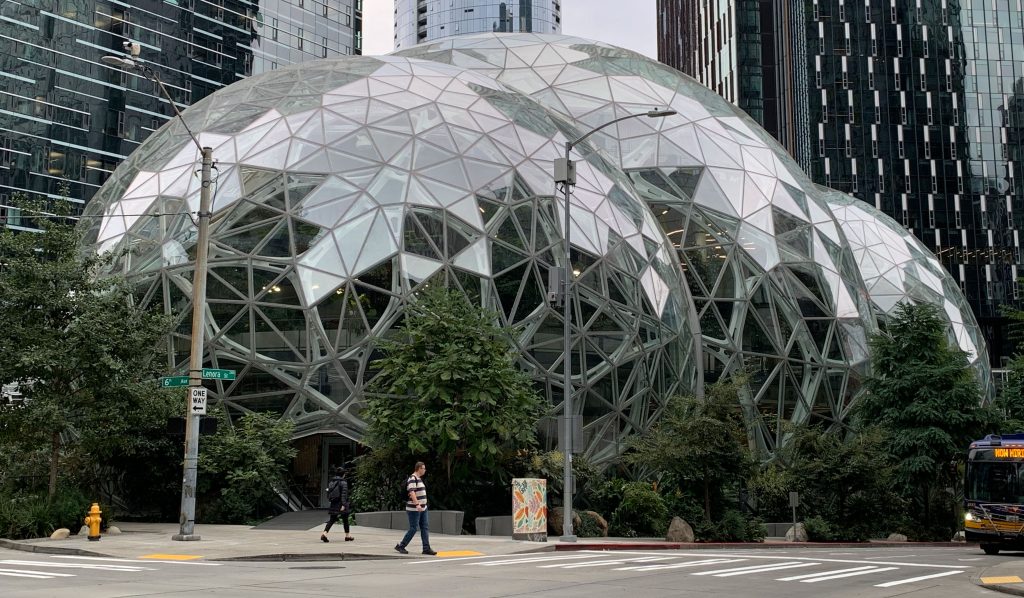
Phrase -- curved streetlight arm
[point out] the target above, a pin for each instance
(152, 75)
(648, 114)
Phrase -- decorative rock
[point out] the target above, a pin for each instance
(60, 534)
(113, 530)
(959, 537)
(679, 531)
(83, 531)
(555, 521)
(600, 521)
(897, 538)
(796, 533)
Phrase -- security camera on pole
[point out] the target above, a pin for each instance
(196, 391)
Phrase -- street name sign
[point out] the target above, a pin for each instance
(173, 381)
(211, 374)
(197, 403)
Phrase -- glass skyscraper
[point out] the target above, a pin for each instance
(418, 21)
(914, 106)
(67, 120)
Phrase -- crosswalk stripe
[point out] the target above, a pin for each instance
(679, 565)
(32, 574)
(148, 560)
(765, 569)
(818, 573)
(534, 560)
(123, 568)
(595, 563)
(851, 574)
(716, 572)
(890, 584)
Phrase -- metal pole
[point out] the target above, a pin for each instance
(195, 364)
(567, 392)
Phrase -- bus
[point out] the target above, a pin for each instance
(994, 493)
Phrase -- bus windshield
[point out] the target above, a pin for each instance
(995, 482)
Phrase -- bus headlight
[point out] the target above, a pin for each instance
(968, 516)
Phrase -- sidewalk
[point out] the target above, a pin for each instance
(239, 542)
(1006, 577)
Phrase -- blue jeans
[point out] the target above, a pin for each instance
(417, 521)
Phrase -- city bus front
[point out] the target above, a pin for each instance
(994, 493)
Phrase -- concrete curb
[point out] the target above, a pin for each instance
(743, 545)
(1014, 590)
(15, 545)
(320, 557)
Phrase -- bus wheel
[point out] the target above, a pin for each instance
(990, 548)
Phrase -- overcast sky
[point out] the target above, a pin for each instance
(628, 24)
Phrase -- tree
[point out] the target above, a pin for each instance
(700, 442)
(82, 353)
(1010, 402)
(449, 388)
(243, 467)
(925, 395)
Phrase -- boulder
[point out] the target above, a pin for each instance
(83, 531)
(679, 531)
(113, 530)
(598, 520)
(796, 533)
(896, 538)
(60, 534)
(555, 521)
(959, 537)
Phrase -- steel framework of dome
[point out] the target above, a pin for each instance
(701, 249)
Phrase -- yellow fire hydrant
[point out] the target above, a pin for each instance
(93, 520)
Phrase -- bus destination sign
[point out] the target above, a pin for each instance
(1008, 453)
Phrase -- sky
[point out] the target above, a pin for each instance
(628, 24)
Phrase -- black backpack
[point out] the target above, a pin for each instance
(334, 490)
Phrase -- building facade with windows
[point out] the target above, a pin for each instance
(419, 21)
(67, 119)
(910, 105)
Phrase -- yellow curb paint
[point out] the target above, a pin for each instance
(451, 553)
(1005, 579)
(172, 557)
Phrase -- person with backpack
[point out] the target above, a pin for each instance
(337, 494)
(416, 509)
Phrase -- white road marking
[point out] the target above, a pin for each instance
(796, 558)
(680, 565)
(913, 579)
(764, 569)
(32, 574)
(715, 572)
(123, 568)
(116, 560)
(851, 574)
(834, 571)
(597, 563)
(535, 560)
(977, 558)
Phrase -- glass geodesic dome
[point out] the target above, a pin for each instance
(342, 186)
(700, 250)
(773, 279)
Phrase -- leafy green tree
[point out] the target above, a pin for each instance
(846, 479)
(241, 468)
(81, 352)
(925, 395)
(699, 443)
(1010, 402)
(449, 391)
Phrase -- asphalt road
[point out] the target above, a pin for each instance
(932, 572)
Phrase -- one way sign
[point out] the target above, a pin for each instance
(198, 395)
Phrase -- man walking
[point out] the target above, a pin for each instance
(416, 509)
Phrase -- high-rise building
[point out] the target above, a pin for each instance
(911, 105)
(67, 119)
(418, 21)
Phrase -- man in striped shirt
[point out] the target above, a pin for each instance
(416, 509)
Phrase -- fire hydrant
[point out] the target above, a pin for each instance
(93, 520)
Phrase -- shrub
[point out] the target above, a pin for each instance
(641, 512)
(819, 530)
(588, 527)
(34, 516)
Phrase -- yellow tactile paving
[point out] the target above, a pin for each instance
(1004, 579)
(451, 553)
(172, 557)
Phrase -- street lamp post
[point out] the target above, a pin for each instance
(187, 519)
(565, 173)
